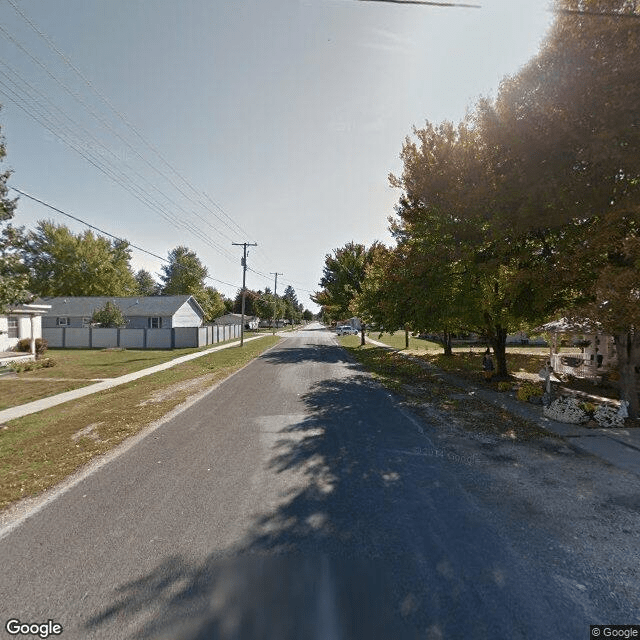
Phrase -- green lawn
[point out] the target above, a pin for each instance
(104, 363)
(397, 341)
(41, 449)
(76, 368)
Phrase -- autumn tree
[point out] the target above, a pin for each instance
(184, 274)
(212, 303)
(343, 273)
(269, 307)
(562, 138)
(61, 263)
(293, 309)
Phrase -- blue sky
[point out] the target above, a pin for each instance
(288, 114)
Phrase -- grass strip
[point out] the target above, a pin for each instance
(40, 450)
(442, 403)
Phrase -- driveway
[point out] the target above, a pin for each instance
(301, 500)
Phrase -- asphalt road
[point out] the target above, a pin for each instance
(300, 500)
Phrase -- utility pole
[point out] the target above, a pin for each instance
(243, 262)
(275, 299)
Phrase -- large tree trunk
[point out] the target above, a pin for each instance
(499, 344)
(446, 343)
(628, 351)
(406, 336)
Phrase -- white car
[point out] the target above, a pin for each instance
(346, 330)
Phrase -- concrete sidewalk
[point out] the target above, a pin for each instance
(619, 447)
(45, 403)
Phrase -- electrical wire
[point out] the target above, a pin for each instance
(102, 231)
(123, 118)
(55, 126)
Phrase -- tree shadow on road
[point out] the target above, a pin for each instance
(374, 538)
(308, 352)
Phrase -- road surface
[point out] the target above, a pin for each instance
(300, 500)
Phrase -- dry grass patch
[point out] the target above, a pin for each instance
(436, 400)
(40, 450)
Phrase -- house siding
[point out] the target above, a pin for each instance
(24, 331)
(186, 316)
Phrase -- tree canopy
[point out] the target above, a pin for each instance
(14, 281)
(343, 274)
(109, 315)
(146, 284)
(61, 263)
(527, 208)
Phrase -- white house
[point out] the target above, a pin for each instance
(140, 312)
(250, 322)
(24, 321)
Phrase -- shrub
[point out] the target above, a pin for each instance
(529, 390)
(32, 365)
(504, 386)
(588, 407)
(24, 346)
(109, 316)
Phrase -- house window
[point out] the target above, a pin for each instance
(155, 323)
(62, 322)
(13, 327)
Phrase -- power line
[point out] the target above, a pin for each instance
(102, 231)
(36, 107)
(123, 118)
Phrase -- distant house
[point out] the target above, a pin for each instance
(22, 322)
(523, 338)
(140, 312)
(250, 322)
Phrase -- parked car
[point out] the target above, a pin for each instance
(346, 330)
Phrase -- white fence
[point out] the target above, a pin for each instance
(178, 338)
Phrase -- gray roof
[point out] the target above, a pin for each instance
(84, 306)
(567, 325)
(233, 318)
